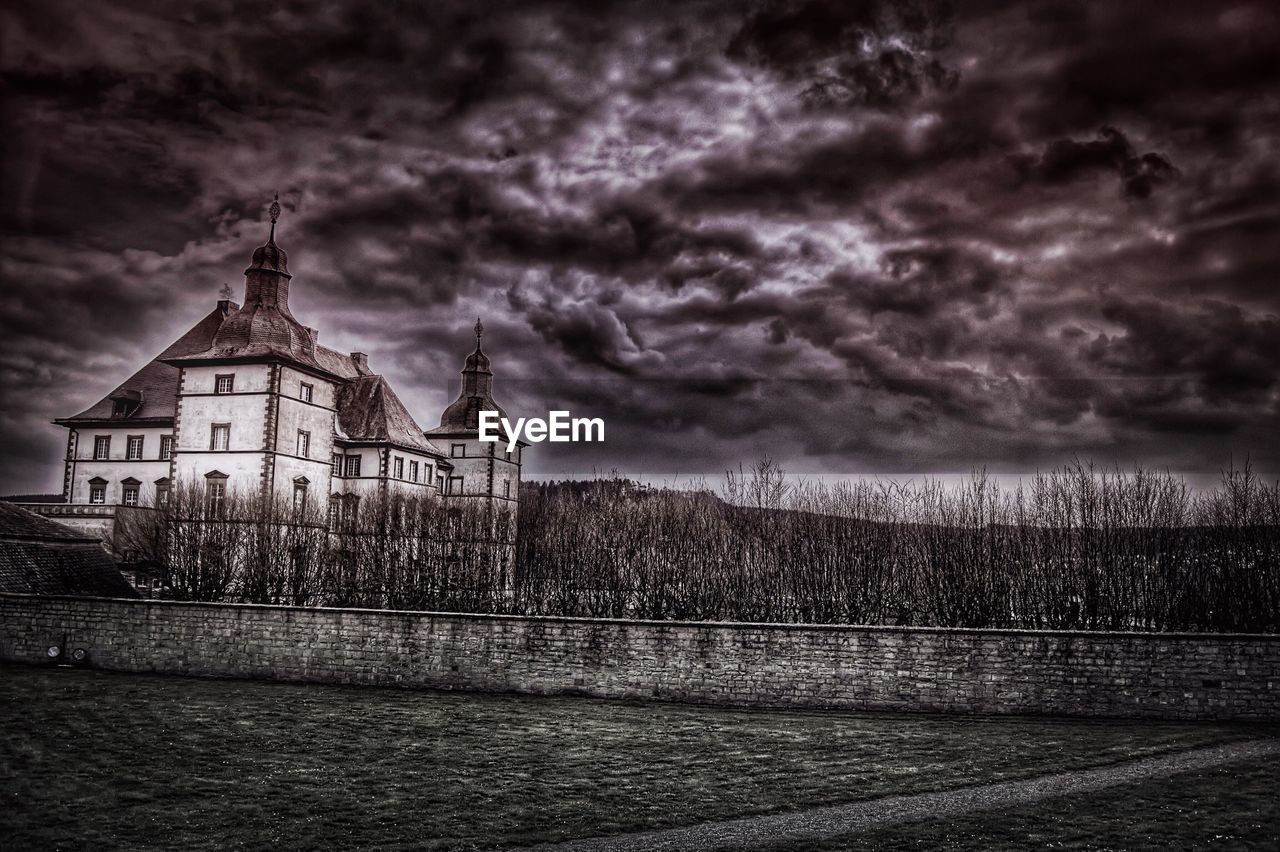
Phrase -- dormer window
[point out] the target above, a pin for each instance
(125, 403)
(224, 383)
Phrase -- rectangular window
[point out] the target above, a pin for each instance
(216, 496)
(166, 447)
(413, 471)
(220, 436)
(335, 464)
(353, 466)
(119, 408)
(162, 493)
(506, 489)
(427, 474)
(458, 451)
(304, 444)
(130, 495)
(97, 494)
(304, 392)
(224, 384)
(299, 499)
(133, 448)
(398, 467)
(455, 485)
(101, 446)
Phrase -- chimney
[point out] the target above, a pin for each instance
(361, 361)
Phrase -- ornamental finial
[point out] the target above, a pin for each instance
(479, 331)
(274, 211)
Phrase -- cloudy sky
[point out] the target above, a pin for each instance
(856, 236)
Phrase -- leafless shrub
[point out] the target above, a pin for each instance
(384, 551)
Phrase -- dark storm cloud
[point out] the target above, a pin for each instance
(1065, 160)
(850, 53)
(857, 236)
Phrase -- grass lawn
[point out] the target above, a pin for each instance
(104, 761)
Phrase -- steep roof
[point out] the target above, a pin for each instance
(39, 556)
(157, 382)
(264, 327)
(337, 363)
(369, 410)
(19, 523)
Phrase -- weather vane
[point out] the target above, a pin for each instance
(274, 211)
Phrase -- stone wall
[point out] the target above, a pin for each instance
(770, 665)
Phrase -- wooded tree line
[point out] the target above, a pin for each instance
(1078, 548)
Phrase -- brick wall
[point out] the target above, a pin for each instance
(864, 668)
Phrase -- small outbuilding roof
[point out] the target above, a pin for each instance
(40, 556)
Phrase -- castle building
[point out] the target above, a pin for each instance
(249, 402)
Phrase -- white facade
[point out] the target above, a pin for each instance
(249, 400)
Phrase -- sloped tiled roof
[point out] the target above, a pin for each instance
(157, 381)
(39, 556)
(336, 362)
(17, 522)
(369, 410)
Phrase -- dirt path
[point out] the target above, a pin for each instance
(846, 819)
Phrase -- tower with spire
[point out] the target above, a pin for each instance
(482, 470)
(249, 402)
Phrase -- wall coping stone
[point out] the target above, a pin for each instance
(625, 622)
